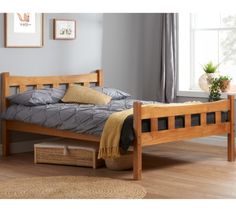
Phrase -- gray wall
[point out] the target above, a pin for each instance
(57, 57)
(122, 51)
(131, 53)
(152, 56)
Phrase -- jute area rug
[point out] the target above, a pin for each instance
(70, 187)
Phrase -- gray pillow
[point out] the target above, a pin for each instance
(38, 97)
(114, 93)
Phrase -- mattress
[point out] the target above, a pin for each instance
(90, 119)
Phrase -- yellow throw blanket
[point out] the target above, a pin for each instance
(109, 143)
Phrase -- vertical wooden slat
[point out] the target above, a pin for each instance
(154, 125)
(86, 84)
(137, 154)
(217, 117)
(5, 136)
(203, 119)
(39, 86)
(22, 88)
(55, 85)
(187, 121)
(231, 146)
(171, 122)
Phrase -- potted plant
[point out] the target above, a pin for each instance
(225, 83)
(210, 70)
(210, 67)
(210, 73)
(215, 89)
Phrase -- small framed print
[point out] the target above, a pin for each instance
(23, 29)
(64, 29)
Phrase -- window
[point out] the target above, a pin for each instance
(204, 38)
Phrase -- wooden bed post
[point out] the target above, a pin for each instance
(231, 146)
(100, 77)
(5, 136)
(137, 144)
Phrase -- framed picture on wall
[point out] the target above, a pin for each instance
(64, 29)
(23, 29)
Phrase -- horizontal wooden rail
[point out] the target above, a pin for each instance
(40, 80)
(32, 128)
(164, 136)
(154, 111)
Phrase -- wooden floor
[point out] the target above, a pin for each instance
(174, 170)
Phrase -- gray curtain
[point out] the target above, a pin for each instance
(168, 71)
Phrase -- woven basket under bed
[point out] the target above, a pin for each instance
(68, 152)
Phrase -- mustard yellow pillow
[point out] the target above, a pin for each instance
(86, 95)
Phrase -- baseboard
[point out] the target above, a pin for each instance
(24, 146)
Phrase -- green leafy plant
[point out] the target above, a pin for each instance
(210, 67)
(225, 78)
(215, 89)
(217, 86)
(224, 82)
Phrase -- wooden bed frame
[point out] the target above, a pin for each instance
(140, 113)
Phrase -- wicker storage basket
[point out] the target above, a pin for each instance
(124, 162)
(68, 152)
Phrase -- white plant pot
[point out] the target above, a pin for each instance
(205, 80)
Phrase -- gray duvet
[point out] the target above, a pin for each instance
(80, 118)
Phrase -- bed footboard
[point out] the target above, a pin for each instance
(172, 133)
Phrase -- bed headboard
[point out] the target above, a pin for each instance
(22, 82)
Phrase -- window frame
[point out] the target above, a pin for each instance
(191, 90)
